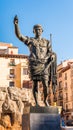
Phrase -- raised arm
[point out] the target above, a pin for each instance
(17, 31)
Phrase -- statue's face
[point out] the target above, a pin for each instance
(38, 31)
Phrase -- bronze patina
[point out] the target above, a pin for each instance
(42, 60)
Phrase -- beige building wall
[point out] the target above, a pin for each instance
(3, 72)
(12, 50)
(18, 68)
(12, 65)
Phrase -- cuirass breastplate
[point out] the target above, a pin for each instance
(39, 48)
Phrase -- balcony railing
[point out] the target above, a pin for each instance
(60, 98)
(11, 76)
(12, 64)
(68, 110)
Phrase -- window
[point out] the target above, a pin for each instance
(27, 84)
(61, 103)
(60, 84)
(66, 96)
(66, 106)
(61, 94)
(11, 52)
(12, 62)
(11, 84)
(65, 76)
(66, 85)
(12, 73)
(60, 74)
(25, 71)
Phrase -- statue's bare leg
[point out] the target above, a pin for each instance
(35, 90)
(45, 91)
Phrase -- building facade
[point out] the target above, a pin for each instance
(13, 67)
(64, 92)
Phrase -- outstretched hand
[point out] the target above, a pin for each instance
(15, 19)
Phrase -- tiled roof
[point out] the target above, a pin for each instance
(13, 55)
(5, 44)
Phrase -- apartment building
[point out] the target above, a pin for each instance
(64, 92)
(13, 67)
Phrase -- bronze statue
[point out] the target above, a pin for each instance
(42, 60)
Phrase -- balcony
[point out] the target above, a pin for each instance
(60, 97)
(11, 76)
(68, 110)
(12, 64)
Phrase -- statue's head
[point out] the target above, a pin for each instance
(37, 27)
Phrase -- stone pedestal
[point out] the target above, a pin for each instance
(41, 118)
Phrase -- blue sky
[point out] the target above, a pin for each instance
(55, 16)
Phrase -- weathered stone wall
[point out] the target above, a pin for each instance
(13, 102)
